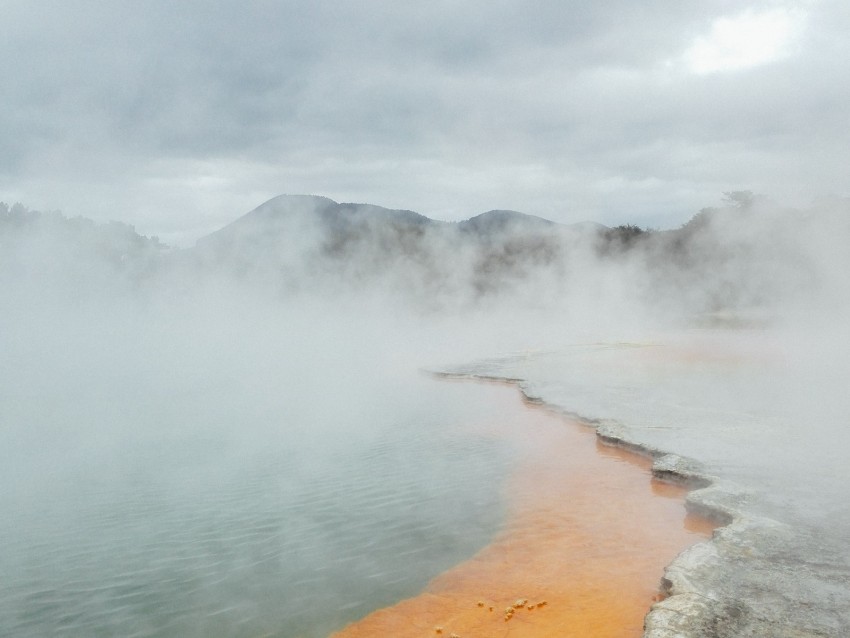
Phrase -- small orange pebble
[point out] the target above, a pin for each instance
(541, 603)
(439, 630)
(530, 606)
(491, 608)
(480, 603)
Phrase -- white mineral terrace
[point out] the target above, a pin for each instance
(760, 422)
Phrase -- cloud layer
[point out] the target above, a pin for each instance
(177, 117)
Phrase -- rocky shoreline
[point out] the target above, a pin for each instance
(755, 577)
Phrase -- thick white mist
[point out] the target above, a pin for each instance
(219, 461)
(149, 398)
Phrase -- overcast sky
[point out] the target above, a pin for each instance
(178, 117)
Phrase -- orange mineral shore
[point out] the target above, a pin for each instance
(586, 538)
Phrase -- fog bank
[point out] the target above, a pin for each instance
(150, 394)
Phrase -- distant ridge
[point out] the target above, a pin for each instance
(283, 210)
(299, 239)
(502, 220)
(740, 256)
(291, 213)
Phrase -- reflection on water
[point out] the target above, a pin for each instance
(231, 529)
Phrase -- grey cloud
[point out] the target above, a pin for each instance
(318, 94)
(198, 66)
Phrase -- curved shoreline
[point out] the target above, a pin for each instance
(691, 605)
(588, 528)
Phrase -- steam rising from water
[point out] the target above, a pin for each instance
(215, 471)
(189, 439)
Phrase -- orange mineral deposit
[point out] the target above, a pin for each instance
(585, 542)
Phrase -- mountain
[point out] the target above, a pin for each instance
(300, 238)
(76, 255)
(737, 256)
(297, 238)
(503, 221)
(288, 214)
(310, 217)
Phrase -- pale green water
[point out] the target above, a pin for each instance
(231, 520)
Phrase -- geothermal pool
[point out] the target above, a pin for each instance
(263, 519)
(244, 530)
(587, 535)
(763, 413)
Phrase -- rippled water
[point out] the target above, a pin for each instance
(250, 477)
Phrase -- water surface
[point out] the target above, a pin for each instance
(174, 488)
